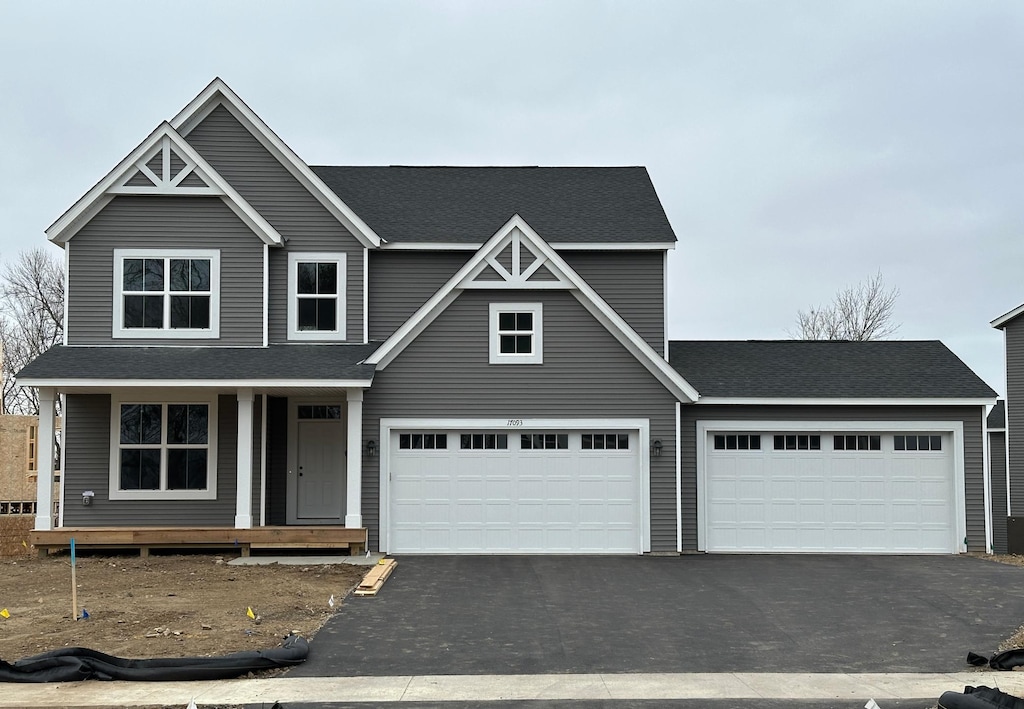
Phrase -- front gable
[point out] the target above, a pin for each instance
(517, 259)
(165, 165)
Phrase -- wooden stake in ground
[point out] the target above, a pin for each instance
(74, 584)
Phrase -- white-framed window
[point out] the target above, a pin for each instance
(163, 449)
(516, 333)
(316, 296)
(166, 293)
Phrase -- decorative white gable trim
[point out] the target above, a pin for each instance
(136, 175)
(219, 93)
(480, 272)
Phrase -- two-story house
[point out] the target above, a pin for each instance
(462, 360)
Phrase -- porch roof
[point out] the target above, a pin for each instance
(277, 365)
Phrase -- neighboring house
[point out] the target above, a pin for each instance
(19, 451)
(1012, 325)
(462, 360)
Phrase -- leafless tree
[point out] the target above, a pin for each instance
(31, 320)
(861, 312)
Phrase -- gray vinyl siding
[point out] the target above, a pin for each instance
(87, 467)
(586, 373)
(164, 223)
(1015, 412)
(971, 416)
(997, 468)
(282, 200)
(402, 281)
(632, 282)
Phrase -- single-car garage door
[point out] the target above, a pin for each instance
(514, 491)
(829, 491)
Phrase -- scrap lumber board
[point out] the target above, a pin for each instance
(375, 578)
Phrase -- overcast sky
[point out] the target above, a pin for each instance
(798, 147)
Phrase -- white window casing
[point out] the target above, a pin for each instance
(118, 329)
(337, 333)
(203, 398)
(535, 332)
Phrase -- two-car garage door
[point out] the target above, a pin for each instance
(490, 490)
(886, 491)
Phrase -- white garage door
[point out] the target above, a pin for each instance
(830, 491)
(499, 491)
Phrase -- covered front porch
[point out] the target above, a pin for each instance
(203, 459)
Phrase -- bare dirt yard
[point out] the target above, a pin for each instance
(164, 605)
(1016, 640)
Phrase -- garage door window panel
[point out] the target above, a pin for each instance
(797, 442)
(912, 442)
(483, 441)
(544, 441)
(423, 441)
(605, 441)
(737, 441)
(857, 442)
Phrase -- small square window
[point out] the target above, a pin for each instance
(516, 333)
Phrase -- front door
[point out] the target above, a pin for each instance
(317, 470)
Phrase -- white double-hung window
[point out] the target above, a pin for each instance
(316, 296)
(166, 293)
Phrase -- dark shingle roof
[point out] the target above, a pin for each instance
(468, 204)
(997, 416)
(891, 369)
(277, 362)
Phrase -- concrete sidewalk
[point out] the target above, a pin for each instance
(479, 688)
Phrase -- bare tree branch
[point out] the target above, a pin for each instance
(861, 312)
(31, 321)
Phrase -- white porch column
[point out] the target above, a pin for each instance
(243, 494)
(354, 471)
(44, 460)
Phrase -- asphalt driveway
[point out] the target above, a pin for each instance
(696, 613)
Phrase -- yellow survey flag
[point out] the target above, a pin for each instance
(248, 612)
(24, 544)
(5, 613)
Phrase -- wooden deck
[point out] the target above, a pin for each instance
(242, 540)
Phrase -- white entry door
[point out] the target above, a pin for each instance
(317, 488)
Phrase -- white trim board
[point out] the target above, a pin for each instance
(560, 246)
(810, 401)
(956, 428)
(1007, 317)
(511, 425)
(107, 384)
(218, 93)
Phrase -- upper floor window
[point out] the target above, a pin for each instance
(166, 293)
(516, 333)
(316, 296)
